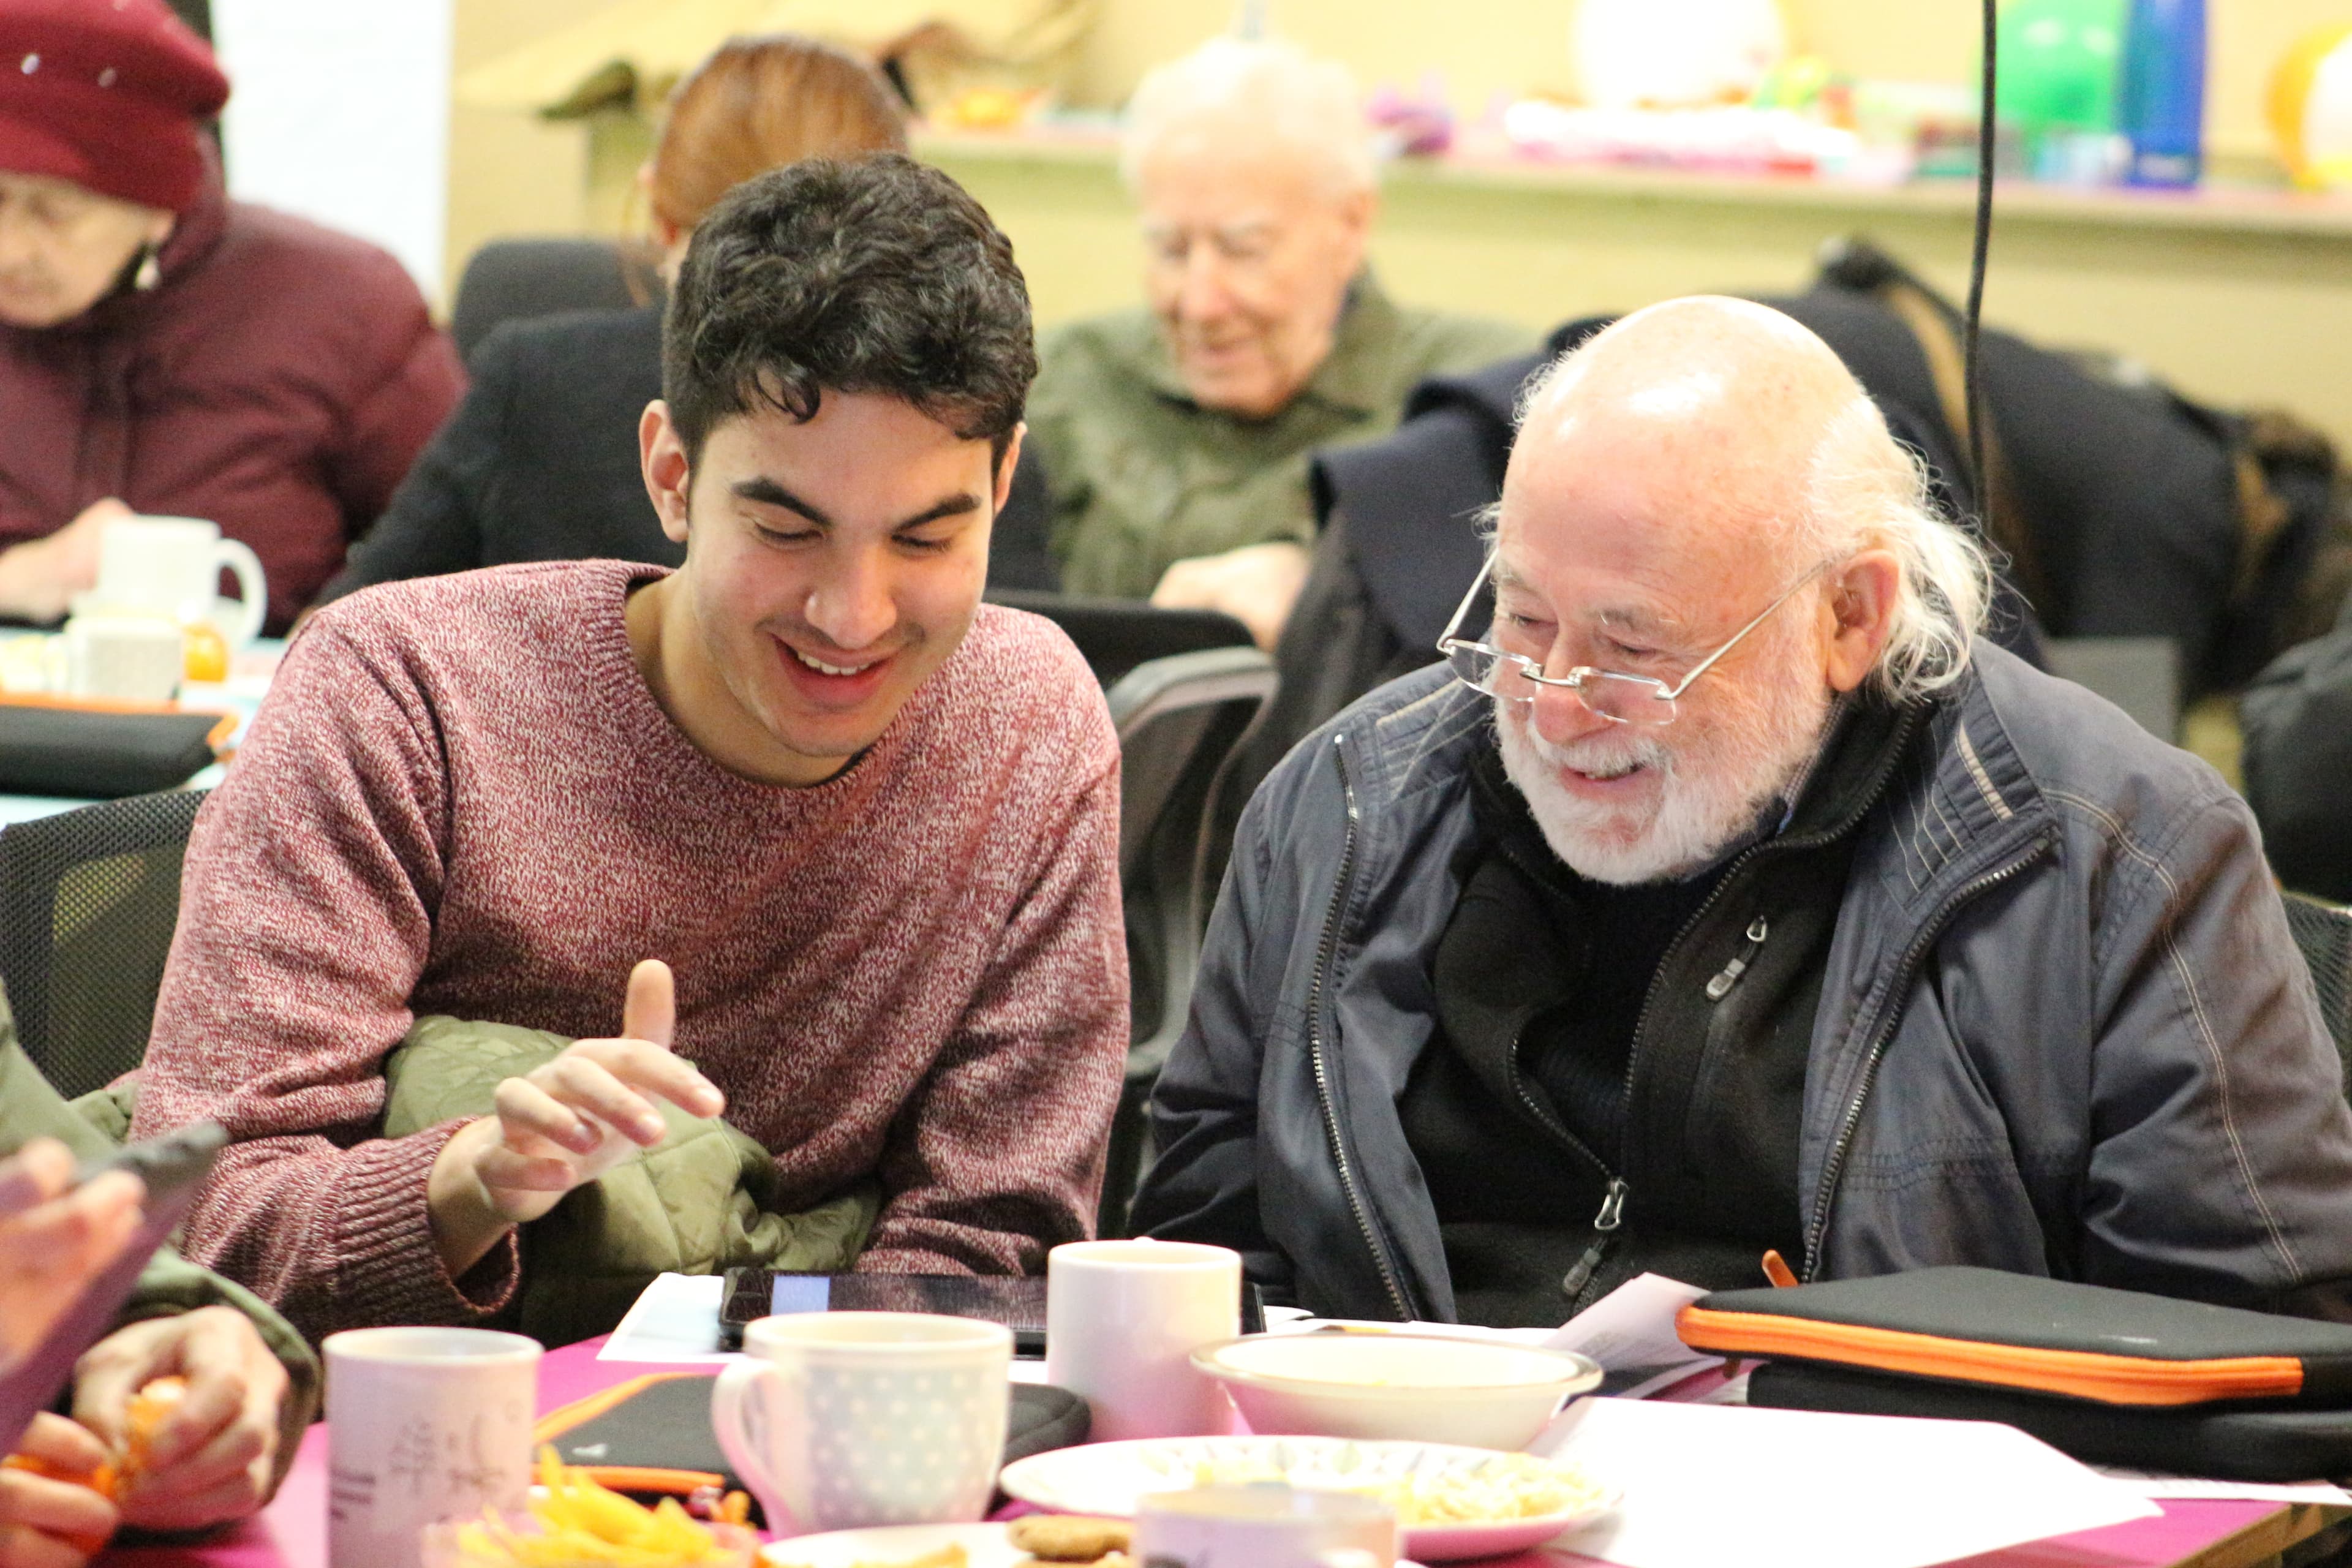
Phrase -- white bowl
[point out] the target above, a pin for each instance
(1419, 1387)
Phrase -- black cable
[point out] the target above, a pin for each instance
(1971, 324)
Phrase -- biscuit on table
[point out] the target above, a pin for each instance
(1069, 1537)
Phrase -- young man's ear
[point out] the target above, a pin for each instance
(661, 457)
(1004, 466)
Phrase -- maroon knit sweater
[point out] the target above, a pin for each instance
(462, 798)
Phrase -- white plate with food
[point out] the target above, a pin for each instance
(899, 1546)
(1452, 1503)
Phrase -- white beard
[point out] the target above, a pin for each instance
(1712, 787)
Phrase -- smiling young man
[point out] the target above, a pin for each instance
(1728, 895)
(870, 825)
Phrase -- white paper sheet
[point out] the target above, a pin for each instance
(1631, 1333)
(1708, 1484)
(674, 1321)
(2148, 1483)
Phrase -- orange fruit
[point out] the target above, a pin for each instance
(206, 655)
(147, 1411)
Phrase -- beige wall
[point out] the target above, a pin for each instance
(510, 174)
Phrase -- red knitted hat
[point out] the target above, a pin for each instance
(107, 94)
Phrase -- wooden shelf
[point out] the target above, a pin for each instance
(2219, 208)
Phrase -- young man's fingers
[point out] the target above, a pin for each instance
(649, 1011)
(649, 1070)
(502, 1169)
(526, 1109)
(581, 1082)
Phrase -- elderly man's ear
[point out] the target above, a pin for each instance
(1857, 613)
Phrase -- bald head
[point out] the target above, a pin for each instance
(1702, 422)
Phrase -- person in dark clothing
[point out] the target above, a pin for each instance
(166, 350)
(1730, 895)
(540, 461)
(2297, 719)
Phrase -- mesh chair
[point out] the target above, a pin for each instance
(89, 900)
(511, 279)
(2322, 934)
(1179, 720)
(1117, 634)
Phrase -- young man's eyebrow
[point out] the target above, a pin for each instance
(956, 505)
(767, 492)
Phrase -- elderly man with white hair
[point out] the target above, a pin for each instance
(1730, 896)
(1175, 438)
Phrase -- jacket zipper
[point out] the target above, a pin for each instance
(1612, 1203)
(1729, 975)
(1834, 1166)
(1314, 1051)
(1573, 1284)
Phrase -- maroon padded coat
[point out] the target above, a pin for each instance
(278, 381)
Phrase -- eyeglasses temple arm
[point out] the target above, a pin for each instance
(1708, 662)
(1461, 609)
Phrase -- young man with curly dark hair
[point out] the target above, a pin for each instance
(871, 822)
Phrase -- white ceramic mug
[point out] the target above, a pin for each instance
(1263, 1527)
(845, 1420)
(137, 659)
(423, 1425)
(1122, 1320)
(171, 566)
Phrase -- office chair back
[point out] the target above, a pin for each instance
(513, 279)
(88, 900)
(2322, 934)
(1116, 635)
(1180, 720)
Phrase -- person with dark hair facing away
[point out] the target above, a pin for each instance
(166, 350)
(873, 823)
(536, 464)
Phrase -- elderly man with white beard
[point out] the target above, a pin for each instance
(1730, 896)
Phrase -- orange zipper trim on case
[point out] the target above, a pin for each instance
(580, 1411)
(2086, 1374)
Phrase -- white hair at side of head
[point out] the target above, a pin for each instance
(1277, 90)
(1867, 490)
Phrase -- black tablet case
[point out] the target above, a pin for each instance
(665, 1426)
(1973, 1342)
(99, 754)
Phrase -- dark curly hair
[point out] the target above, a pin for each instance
(880, 275)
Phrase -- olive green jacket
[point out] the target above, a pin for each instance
(1142, 477)
(701, 1201)
(30, 1108)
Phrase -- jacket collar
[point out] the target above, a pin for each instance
(1349, 376)
(1967, 802)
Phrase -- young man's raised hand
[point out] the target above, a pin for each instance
(564, 1124)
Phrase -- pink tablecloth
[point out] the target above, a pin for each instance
(292, 1531)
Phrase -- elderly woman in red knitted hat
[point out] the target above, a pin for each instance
(165, 350)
